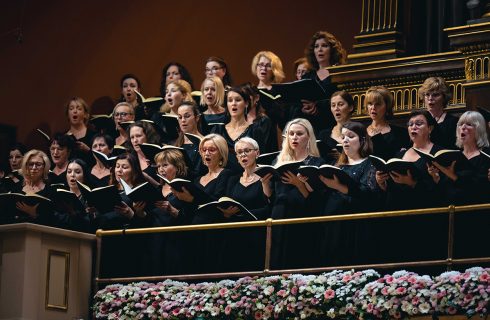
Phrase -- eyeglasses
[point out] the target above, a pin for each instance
(264, 66)
(244, 152)
(122, 114)
(416, 123)
(212, 70)
(35, 165)
(432, 94)
(210, 150)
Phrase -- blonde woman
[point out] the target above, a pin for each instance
(212, 99)
(294, 198)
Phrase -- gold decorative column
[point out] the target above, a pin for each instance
(380, 36)
(474, 43)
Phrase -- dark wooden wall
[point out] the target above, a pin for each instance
(83, 47)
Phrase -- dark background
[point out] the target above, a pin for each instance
(82, 48)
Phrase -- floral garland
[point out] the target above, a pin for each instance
(347, 294)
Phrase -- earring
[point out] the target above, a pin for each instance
(220, 163)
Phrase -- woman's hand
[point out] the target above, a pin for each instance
(334, 183)
(124, 210)
(406, 179)
(266, 185)
(139, 209)
(31, 211)
(382, 179)
(183, 195)
(289, 178)
(433, 172)
(167, 207)
(450, 172)
(230, 211)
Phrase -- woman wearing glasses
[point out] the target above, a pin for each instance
(436, 95)
(217, 67)
(122, 112)
(207, 245)
(267, 67)
(245, 248)
(414, 189)
(34, 170)
(174, 71)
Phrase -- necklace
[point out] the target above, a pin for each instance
(374, 131)
(248, 180)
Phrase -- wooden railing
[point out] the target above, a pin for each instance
(450, 211)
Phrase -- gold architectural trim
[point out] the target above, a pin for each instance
(396, 66)
(428, 56)
(476, 83)
(373, 43)
(371, 54)
(467, 33)
(66, 256)
(468, 26)
(378, 34)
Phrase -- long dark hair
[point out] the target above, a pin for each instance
(184, 75)
(137, 175)
(366, 145)
(227, 81)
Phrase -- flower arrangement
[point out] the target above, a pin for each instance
(346, 294)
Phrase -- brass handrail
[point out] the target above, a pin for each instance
(269, 223)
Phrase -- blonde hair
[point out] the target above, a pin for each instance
(79, 101)
(184, 87)
(287, 154)
(435, 84)
(123, 104)
(276, 64)
(220, 143)
(379, 94)
(220, 91)
(35, 153)
(175, 158)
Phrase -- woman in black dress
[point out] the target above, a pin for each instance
(189, 122)
(101, 171)
(78, 114)
(323, 51)
(436, 95)
(342, 107)
(60, 150)
(467, 183)
(174, 71)
(267, 67)
(212, 99)
(345, 243)
(207, 245)
(237, 103)
(13, 176)
(217, 67)
(68, 216)
(167, 249)
(123, 112)
(412, 190)
(245, 247)
(387, 139)
(142, 132)
(34, 171)
(294, 198)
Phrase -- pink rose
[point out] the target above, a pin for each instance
(347, 278)
(228, 310)
(484, 277)
(384, 291)
(329, 294)
(401, 290)
(389, 279)
(294, 290)
(258, 315)
(223, 292)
